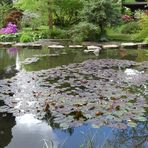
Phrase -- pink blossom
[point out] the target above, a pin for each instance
(11, 28)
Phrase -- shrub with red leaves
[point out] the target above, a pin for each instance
(126, 18)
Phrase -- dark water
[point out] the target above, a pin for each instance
(28, 132)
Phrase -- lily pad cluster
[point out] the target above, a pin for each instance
(99, 92)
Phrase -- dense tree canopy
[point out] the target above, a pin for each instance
(102, 12)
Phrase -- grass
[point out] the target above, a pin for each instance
(115, 35)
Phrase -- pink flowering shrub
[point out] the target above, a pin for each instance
(146, 12)
(126, 18)
(10, 29)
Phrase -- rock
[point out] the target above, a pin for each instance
(30, 60)
(75, 46)
(94, 49)
(28, 45)
(35, 46)
(56, 46)
(6, 44)
(142, 45)
(21, 45)
(97, 51)
(129, 45)
(110, 46)
(87, 51)
(46, 55)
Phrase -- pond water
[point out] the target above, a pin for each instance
(26, 131)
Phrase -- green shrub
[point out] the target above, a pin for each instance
(143, 34)
(9, 37)
(58, 33)
(102, 13)
(146, 40)
(30, 36)
(66, 12)
(4, 9)
(26, 37)
(45, 34)
(131, 27)
(85, 31)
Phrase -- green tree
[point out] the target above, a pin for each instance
(59, 12)
(42, 7)
(67, 12)
(4, 8)
(4, 2)
(143, 34)
(101, 12)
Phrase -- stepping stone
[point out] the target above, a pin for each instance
(30, 60)
(129, 45)
(75, 46)
(24, 45)
(35, 46)
(92, 47)
(56, 46)
(6, 44)
(28, 45)
(46, 55)
(87, 51)
(110, 46)
(142, 45)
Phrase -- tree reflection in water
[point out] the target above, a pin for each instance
(7, 121)
(130, 138)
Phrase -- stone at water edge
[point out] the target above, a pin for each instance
(129, 45)
(94, 49)
(110, 46)
(75, 46)
(56, 46)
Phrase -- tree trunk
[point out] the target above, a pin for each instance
(50, 18)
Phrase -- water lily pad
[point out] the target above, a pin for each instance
(78, 93)
(132, 124)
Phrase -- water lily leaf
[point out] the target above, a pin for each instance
(64, 125)
(118, 125)
(140, 118)
(96, 126)
(111, 117)
(75, 94)
(132, 124)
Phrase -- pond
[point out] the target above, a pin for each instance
(29, 76)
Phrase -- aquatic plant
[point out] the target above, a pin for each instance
(98, 92)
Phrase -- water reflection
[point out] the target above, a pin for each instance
(7, 65)
(130, 138)
(14, 56)
(7, 121)
(18, 62)
(30, 132)
(12, 51)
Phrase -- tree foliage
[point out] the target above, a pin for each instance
(101, 12)
(143, 34)
(59, 12)
(3, 12)
(67, 12)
